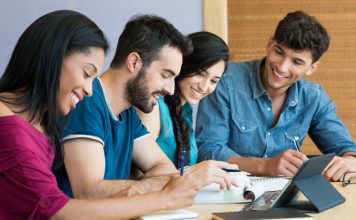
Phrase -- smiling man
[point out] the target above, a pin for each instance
(104, 135)
(262, 110)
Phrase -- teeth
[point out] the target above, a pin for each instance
(197, 94)
(75, 98)
(278, 75)
(275, 73)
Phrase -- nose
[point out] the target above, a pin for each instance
(88, 88)
(283, 66)
(169, 87)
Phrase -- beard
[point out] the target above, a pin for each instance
(138, 94)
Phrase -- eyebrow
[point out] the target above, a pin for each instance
(278, 47)
(299, 60)
(206, 71)
(296, 58)
(171, 72)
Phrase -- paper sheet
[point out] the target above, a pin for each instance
(175, 214)
(270, 183)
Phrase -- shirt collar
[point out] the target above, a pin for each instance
(257, 85)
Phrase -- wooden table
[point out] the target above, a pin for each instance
(345, 211)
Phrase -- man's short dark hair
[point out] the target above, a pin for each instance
(146, 35)
(300, 31)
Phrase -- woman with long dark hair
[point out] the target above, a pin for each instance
(171, 120)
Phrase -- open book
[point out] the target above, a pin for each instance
(255, 185)
(213, 194)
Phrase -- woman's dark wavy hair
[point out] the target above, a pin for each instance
(208, 49)
(33, 72)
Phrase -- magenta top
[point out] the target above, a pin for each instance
(28, 188)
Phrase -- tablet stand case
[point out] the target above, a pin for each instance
(315, 187)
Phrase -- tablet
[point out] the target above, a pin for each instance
(310, 167)
(310, 181)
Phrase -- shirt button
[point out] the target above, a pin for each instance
(269, 109)
(269, 133)
(265, 156)
(243, 127)
(293, 103)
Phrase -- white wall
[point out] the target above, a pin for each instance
(110, 16)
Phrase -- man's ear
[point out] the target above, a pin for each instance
(312, 68)
(134, 62)
(269, 43)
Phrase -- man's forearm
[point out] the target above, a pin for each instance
(156, 177)
(117, 188)
(151, 184)
(160, 169)
(103, 188)
(254, 166)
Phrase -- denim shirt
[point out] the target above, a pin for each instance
(237, 119)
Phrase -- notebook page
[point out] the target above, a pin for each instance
(213, 194)
(270, 183)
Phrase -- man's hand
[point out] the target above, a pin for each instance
(211, 171)
(338, 166)
(182, 190)
(286, 163)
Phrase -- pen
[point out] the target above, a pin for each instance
(231, 170)
(183, 163)
(296, 143)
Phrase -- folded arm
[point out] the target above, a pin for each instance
(157, 168)
(85, 165)
(179, 192)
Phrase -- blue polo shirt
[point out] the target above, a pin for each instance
(92, 118)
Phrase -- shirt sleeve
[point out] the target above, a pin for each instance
(140, 130)
(327, 130)
(86, 120)
(31, 190)
(212, 125)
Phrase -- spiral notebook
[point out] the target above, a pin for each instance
(270, 183)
